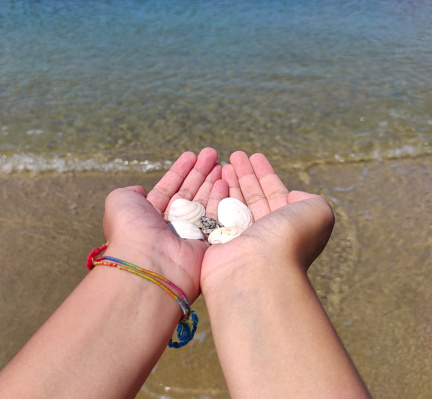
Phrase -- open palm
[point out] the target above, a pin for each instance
(135, 227)
(288, 224)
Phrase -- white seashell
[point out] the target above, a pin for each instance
(183, 209)
(185, 229)
(233, 213)
(224, 234)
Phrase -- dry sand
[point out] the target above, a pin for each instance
(374, 278)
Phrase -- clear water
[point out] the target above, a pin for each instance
(115, 85)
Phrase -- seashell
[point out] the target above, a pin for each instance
(185, 229)
(183, 209)
(224, 234)
(233, 213)
(207, 224)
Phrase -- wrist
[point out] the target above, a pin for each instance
(146, 258)
(246, 269)
(151, 258)
(188, 321)
(137, 284)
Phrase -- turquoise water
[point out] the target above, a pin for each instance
(116, 85)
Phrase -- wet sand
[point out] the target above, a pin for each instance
(374, 278)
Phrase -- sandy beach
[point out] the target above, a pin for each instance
(98, 95)
(374, 278)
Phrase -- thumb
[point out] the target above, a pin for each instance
(125, 208)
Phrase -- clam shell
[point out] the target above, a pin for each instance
(207, 224)
(233, 213)
(185, 229)
(224, 234)
(182, 209)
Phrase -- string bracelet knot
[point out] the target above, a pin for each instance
(188, 322)
(185, 331)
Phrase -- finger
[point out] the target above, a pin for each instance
(203, 166)
(296, 196)
(137, 189)
(194, 180)
(230, 177)
(171, 181)
(219, 191)
(273, 187)
(249, 184)
(127, 205)
(203, 194)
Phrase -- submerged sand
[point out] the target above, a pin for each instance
(374, 278)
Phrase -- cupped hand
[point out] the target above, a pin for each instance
(290, 226)
(136, 230)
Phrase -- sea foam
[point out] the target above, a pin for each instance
(29, 162)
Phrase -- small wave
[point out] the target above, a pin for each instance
(381, 154)
(35, 131)
(30, 162)
(26, 162)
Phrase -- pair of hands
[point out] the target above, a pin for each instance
(291, 226)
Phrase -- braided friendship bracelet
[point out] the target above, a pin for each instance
(186, 329)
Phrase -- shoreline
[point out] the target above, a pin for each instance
(373, 279)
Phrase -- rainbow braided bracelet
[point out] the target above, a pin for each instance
(186, 328)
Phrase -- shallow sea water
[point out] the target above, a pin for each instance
(118, 85)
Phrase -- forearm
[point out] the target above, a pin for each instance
(273, 337)
(102, 342)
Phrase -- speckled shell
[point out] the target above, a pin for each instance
(207, 224)
(224, 234)
(233, 213)
(182, 209)
(185, 229)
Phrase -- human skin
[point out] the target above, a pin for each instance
(273, 337)
(106, 337)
